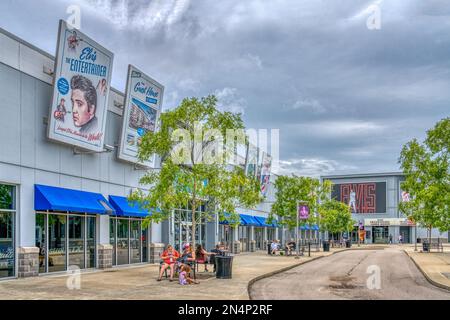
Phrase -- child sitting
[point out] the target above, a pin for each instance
(184, 276)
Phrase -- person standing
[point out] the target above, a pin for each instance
(400, 239)
(390, 239)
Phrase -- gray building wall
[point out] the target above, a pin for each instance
(27, 157)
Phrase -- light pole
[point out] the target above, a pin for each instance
(296, 232)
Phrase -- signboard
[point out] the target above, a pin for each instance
(81, 89)
(388, 222)
(143, 100)
(265, 172)
(303, 212)
(363, 198)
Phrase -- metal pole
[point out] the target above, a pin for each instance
(296, 234)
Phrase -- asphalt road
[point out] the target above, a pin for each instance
(351, 275)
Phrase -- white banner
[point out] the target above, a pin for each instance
(81, 89)
(143, 101)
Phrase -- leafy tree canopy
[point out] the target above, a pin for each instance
(427, 178)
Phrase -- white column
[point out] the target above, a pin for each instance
(102, 229)
(156, 232)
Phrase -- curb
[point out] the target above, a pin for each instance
(434, 283)
(269, 274)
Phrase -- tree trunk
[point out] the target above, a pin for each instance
(429, 239)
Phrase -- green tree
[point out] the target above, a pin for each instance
(335, 217)
(194, 164)
(427, 178)
(291, 190)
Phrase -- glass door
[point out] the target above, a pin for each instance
(259, 235)
(57, 242)
(76, 241)
(135, 243)
(380, 235)
(123, 241)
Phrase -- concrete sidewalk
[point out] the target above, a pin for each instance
(435, 266)
(140, 282)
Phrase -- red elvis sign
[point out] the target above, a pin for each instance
(365, 197)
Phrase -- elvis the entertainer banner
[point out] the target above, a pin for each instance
(81, 88)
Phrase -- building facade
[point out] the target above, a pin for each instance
(62, 207)
(374, 201)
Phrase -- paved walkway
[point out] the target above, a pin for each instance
(140, 282)
(434, 265)
(351, 275)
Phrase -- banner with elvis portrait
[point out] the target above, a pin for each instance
(143, 101)
(81, 88)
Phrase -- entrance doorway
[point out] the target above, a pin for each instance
(406, 234)
(259, 238)
(183, 226)
(380, 234)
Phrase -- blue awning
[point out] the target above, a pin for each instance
(307, 227)
(262, 221)
(248, 220)
(62, 199)
(126, 208)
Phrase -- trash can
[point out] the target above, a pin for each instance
(269, 248)
(425, 247)
(326, 246)
(348, 244)
(224, 267)
(419, 240)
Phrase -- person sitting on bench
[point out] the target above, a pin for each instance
(274, 247)
(290, 246)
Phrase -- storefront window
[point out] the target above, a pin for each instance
(76, 241)
(40, 240)
(144, 239)
(6, 245)
(7, 215)
(112, 237)
(122, 241)
(57, 242)
(183, 226)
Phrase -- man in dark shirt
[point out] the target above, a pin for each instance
(290, 246)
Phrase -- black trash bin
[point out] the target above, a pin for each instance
(269, 248)
(419, 240)
(426, 247)
(224, 266)
(326, 246)
(348, 244)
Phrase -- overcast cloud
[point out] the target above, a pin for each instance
(344, 97)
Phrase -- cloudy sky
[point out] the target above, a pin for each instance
(345, 97)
